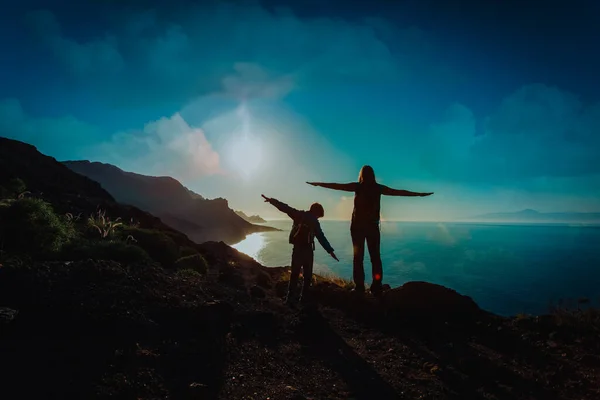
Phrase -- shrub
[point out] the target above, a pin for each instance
(188, 273)
(264, 280)
(13, 189)
(17, 185)
(194, 262)
(185, 251)
(157, 244)
(30, 226)
(113, 250)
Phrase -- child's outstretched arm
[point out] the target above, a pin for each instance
(290, 211)
(324, 242)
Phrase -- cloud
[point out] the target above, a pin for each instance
(252, 81)
(537, 134)
(61, 137)
(153, 56)
(168, 146)
(290, 151)
(84, 60)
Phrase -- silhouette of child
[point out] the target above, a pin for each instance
(305, 228)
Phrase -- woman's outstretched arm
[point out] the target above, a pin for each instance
(348, 187)
(388, 191)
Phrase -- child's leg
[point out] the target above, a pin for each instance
(307, 270)
(295, 273)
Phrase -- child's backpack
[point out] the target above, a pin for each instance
(302, 232)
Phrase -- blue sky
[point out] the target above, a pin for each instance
(494, 107)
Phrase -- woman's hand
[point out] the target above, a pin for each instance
(312, 183)
(425, 194)
(267, 199)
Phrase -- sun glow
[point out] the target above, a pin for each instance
(246, 155)
(246, 151)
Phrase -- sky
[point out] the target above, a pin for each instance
(494, 106)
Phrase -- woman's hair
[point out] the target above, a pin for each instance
(366, 175)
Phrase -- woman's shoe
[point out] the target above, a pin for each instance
(376, 289)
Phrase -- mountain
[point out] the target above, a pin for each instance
(165, 197)
(68, 192)
(532, 216)
(43, 174)
(253, 219)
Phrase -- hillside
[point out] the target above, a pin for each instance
(46, 179)
(253, 219)
(533, 216)
(199, 218)
(119, 305)
(43, 175)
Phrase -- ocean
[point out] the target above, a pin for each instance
(506, 269)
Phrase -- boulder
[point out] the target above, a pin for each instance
(429, 300)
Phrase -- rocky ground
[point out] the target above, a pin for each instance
(99, 329)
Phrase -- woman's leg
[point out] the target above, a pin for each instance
(373, 238)
(358, 244)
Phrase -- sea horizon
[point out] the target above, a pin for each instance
(506, 268)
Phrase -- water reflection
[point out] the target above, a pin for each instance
(252, 245)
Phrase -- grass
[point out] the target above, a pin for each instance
(105, 226)
(577, 314)
(319, 278)
(336, 280)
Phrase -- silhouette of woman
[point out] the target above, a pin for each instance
(365, 222)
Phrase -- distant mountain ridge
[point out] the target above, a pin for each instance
(68, 192)
(529, 215)
(179, 207)
(44, 176)
(253, 219)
